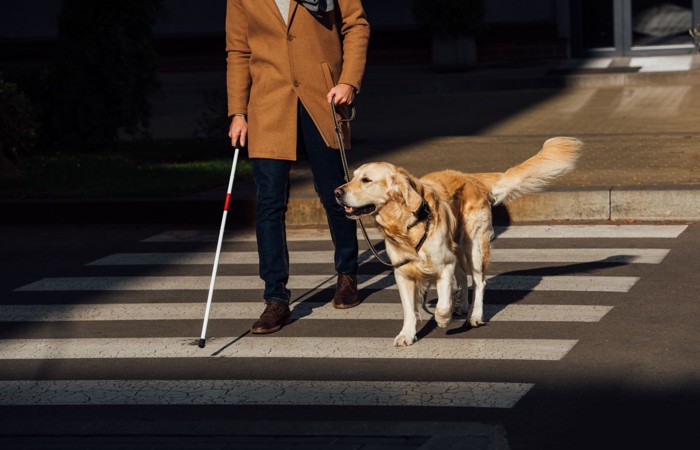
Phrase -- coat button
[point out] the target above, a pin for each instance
(290, 37)
(296, 83)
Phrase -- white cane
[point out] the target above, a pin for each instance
(202, 338)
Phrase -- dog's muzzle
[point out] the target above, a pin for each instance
(352, 212)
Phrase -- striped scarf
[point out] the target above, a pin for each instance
(317, 7)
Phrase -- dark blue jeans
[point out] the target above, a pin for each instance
(272, 183)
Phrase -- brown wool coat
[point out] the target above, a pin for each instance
(271, 66)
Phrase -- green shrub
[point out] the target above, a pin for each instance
(103, 72)
(18, 128)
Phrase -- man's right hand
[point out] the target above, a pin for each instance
(238, 132)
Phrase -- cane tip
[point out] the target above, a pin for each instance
(202, 343)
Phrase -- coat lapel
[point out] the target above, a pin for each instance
(275, 10)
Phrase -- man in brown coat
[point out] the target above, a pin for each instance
(287, 59)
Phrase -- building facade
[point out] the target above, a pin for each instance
(514, 29)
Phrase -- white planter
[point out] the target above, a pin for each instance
(451, 53)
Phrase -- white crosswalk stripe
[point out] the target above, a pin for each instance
(516, 232)
(306, 310)
(590, 232)
(286, 347)
(384, 281)
(332, 347)
(581, 255)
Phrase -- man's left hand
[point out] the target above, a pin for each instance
(344, 94)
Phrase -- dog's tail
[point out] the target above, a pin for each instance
(558, 156)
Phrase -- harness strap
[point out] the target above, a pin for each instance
(423, 214)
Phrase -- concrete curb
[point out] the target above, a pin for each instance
(669, 204)
(661, 204)
(594, 204)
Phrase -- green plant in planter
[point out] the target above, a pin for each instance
(450, 17)
(454, 25)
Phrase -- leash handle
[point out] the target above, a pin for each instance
(339, 134)
(344, 159)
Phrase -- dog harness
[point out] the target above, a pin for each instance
(422, 214)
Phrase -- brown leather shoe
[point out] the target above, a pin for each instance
(275, 316)
(346, 291)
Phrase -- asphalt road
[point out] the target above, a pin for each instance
(592, 343)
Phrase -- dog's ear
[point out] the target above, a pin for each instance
(407, 187)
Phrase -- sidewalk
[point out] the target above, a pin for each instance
(636, 116)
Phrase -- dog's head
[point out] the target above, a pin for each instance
(373, 186)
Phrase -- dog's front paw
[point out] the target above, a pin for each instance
(404, 340)
(442, 318)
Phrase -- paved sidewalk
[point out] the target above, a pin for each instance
(636, 116)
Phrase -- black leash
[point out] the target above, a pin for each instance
(422, 214)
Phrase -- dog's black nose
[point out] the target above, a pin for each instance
(339, 192)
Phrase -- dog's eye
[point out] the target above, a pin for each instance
(365, 180)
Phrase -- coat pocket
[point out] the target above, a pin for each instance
(328, 76)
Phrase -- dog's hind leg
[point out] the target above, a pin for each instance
(409, 295)
(460, 290)
(478, 255)
(443, 311)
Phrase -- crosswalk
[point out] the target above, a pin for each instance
(563, 263)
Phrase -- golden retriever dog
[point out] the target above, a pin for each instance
(438, 229)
